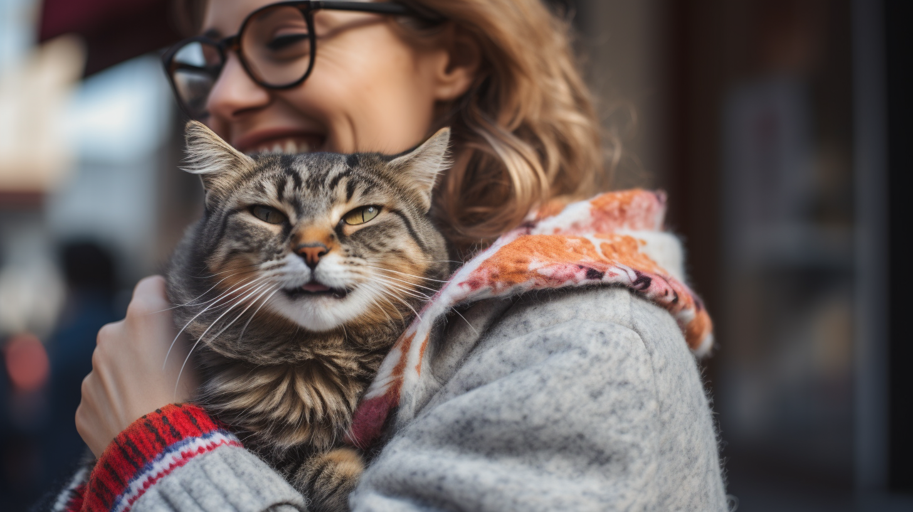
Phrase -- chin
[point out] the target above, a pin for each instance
(321, 312)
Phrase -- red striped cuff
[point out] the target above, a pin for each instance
(147, 451)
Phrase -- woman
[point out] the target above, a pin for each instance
(586, 399)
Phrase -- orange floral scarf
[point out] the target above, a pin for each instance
(605, 240)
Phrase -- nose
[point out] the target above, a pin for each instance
(311, 252)
(234, 93)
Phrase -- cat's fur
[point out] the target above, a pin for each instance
(284, 366)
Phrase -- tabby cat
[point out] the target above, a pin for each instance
(294, 284)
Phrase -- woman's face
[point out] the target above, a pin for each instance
(369, 89)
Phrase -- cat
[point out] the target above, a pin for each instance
(294, 284)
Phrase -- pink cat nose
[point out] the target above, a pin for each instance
(311, 252)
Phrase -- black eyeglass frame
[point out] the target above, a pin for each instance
(307, 8)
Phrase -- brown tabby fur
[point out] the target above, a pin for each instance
(283, 366)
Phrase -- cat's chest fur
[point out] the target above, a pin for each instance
(277, 407)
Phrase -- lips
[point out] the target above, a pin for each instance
(315, 289)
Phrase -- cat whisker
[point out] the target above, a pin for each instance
(268, 289)
(191, 301)
(259, 278)
(405, 274)
(405, 290)
(474, 330)
(215, 274)
(373, 287)
(382, 310)
(234, 288)
(223, 295)
(202, 336)
(391, 294)
(240, 336)
(410, 283)
(429, 298)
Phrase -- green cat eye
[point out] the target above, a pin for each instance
(361, 215)
(267, 214)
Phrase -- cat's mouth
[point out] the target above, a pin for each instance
(313, 288)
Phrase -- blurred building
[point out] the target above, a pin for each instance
(778, 129)
(776, 126)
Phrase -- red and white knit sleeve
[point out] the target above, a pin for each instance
(148, 450)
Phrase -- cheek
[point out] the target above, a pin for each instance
(371, 88)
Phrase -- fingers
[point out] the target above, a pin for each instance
(93, 432)
(128, 378)
(149, 297)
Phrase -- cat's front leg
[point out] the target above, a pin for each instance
(328, 478)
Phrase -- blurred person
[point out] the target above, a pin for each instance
(586, 398)
(42, 389)
(91, 280)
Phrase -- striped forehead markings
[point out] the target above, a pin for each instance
(334, 181)
(294, 175)
(317, 175)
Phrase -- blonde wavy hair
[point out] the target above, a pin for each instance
(525, 133)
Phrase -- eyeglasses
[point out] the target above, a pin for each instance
(276, 46)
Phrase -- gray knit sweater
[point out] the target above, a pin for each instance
(562, 400)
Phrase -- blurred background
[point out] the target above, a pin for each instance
(778, 127)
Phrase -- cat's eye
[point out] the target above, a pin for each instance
(361, 215)
(267, 214)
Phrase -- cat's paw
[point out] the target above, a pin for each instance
(328, 478)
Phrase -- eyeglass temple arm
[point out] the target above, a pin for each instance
(375, 7)
(379, 7)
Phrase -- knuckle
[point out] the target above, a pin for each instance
(152, 286)
(144, 304)
(139, 306)
(80, 419)
(106, 332)
(85, 388)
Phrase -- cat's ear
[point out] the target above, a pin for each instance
(214, 160)
(419, 169)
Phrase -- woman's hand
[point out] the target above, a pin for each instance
(127, 378)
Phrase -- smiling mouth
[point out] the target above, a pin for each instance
(284, 145)
(315, 289)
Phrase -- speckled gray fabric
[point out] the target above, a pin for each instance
(228, 478)
(564, 400)
(579, 400)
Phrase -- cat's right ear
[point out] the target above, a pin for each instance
(214, 160)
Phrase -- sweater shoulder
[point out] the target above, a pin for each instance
(599, 304)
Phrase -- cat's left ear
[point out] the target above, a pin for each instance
(419, 169)
(214, 160)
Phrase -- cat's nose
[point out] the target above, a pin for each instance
(311, 252)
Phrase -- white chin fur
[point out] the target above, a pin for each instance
(323, 312)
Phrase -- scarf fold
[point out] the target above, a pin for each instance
(603, 241)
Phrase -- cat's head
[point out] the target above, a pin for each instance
(323, 240)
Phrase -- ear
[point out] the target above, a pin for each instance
(418, 169)
(457, 68)
(213, 159)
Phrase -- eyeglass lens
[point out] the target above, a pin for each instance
(275, 47)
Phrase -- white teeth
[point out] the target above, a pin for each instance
(288, 147)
